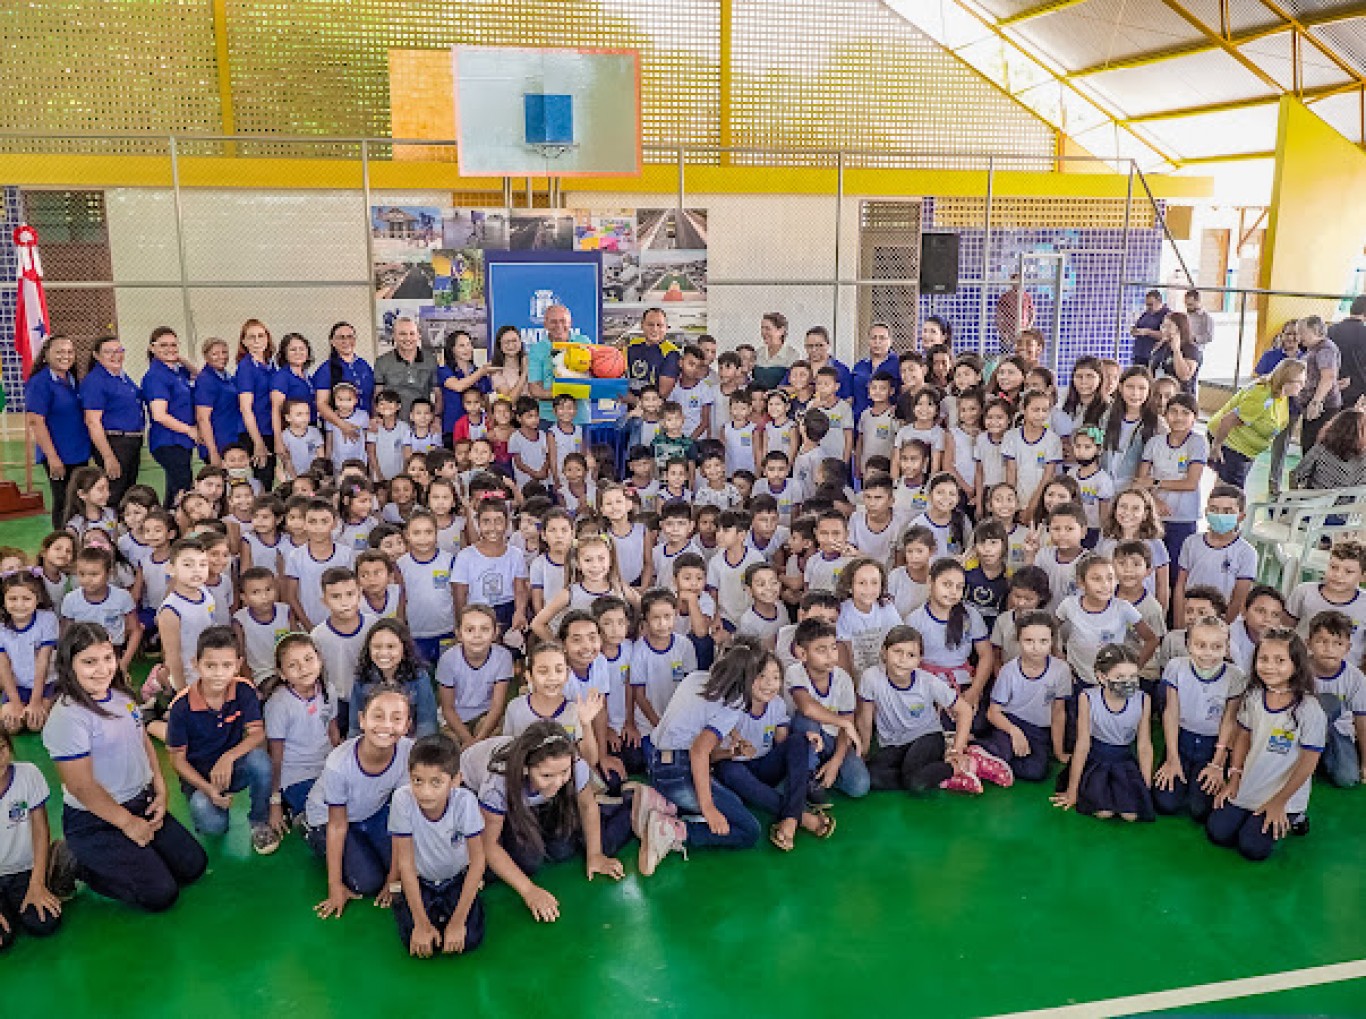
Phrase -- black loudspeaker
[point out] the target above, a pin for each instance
(939, 263)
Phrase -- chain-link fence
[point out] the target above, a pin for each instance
(203, 233)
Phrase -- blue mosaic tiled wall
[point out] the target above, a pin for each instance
(11, 373)
(1091, 286)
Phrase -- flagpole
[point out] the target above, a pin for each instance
(31, 320)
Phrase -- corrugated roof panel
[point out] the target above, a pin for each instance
(1102, 30)
(1006, 8)
(1303, 8)
(1348, 40)
(1217, 134)
(1272, 55)
(1343, 113)
(1194, 80)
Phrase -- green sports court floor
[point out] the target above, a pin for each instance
(941, 906)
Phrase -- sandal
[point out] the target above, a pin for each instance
(778, 838)
(827, 827)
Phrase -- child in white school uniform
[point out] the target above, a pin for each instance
(31, 865)
(343, 443)
(1341, 689)
(1095, 617)
(1220, 558)
(1171, 468)
(302, 441)
(1276, 748)
(28, 634)
(347, 810)
(389, 440)
(1339, 591)
(876, 526)
(1198, 721)
(660, 659)
(301, 717)
(340, 637)
(305, 565)
(132, 850)
(823, 702)
(186, 612)
(1032, 451)
(866, 615)
(474, 677)
(1133, 517)
(726, 571)
(96, 600)
(1201, 602)
(426, 573)
(438, 854)
(765, 616)
(1028, 701)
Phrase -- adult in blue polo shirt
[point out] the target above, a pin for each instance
(1147, 331)
(255, 370)
(818, 355)
(53, 403)
(652, 359)
(457, 374)
(290, 382)
(216, 410)
(167, 388)
(343, 364)
(114, 416)
(880, 359)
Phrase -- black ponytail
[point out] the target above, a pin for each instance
(956, 627)
(539, 742)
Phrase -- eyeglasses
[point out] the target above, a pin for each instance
(111, 350)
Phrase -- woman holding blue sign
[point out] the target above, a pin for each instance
(216, 410)
(457, 374)
(255, 370)
(170, 401)
(53, 402)
(290, 382)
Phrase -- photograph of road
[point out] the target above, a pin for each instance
(673, 277)
(406, 279)
(531, 232)
(435, 323)
(671, 229)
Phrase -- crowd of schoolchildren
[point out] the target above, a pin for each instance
(440, 666)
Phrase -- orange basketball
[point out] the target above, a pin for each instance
(608, 362)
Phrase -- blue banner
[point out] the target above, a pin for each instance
(519, 286)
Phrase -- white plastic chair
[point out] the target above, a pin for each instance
(1275, 528)
(1309, 559)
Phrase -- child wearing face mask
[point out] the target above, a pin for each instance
(1111, 770)
(1221, 558)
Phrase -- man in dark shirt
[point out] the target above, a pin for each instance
(652, 359)
(1148, 329)
(1350, 337)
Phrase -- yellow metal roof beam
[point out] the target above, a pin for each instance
(1302, 25)
(1321, 92)
(1235, 157)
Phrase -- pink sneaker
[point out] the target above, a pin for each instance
(963, 782)
(991, 768)
(644, 799)
(663, 834)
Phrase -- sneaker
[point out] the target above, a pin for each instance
(1300, 825)
(817, 794)
(646, 800)
(990, 767)
(663, 834)
(962, 782)
(264, 839)
(61, 871)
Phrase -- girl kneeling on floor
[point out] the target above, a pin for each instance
(115, 822)
(705, 709)
(903, 704)
(1104, 777)
(539, 808)
(347, 812)
(1028, 712)
(1280, 736)
(767, 765)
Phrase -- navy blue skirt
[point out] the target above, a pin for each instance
(1112, 782)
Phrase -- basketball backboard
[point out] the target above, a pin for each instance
(523, 112)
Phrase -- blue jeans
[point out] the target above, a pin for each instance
(367, 854)
(853, 779)
(671, 774)
(296, 796)
(776, 782)
(1194, 752)
(1341, 760)
(251, 772)
(1235, 827)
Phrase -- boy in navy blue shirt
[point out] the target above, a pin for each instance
(216, 735)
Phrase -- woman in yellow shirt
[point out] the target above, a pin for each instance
(1245, 427)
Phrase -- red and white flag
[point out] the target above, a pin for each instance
(31, 327)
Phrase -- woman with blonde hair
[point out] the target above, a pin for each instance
(1247, 425)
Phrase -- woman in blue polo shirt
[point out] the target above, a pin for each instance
(457, 374)
(343, 364)
(114, 416)
(255, 370)
(53, 402)
(216, 410)
(291, 382)
(170, 403)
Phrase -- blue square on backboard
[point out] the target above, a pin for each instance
(549, 118)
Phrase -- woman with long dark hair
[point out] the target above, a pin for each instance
(1338, 460)
(343, 364)
(255, 370)
(52, 401)
(457, 374)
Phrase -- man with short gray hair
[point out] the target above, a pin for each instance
(405, 369)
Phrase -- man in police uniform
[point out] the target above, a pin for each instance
(652, 360)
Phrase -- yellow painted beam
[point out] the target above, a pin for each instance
(62, 170)
(1029, 13)
(726, 134)
(227, 118)
(1235, 157)
(1309, 94)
